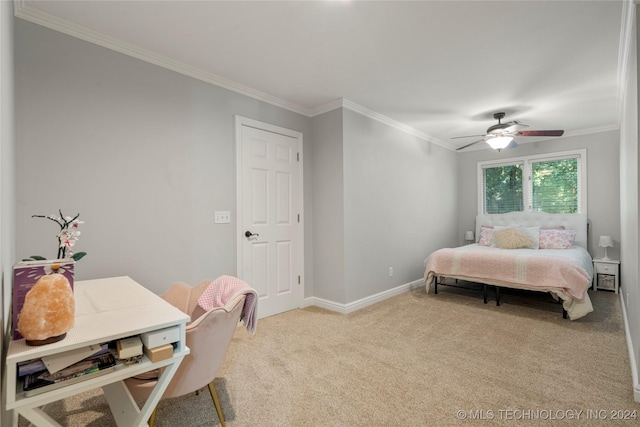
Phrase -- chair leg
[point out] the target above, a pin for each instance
(152, 418)
(216, 403)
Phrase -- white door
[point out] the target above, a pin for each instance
(270, 248)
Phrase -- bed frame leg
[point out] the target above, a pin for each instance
(435, 282)
(564, 313)
(484, 291)
(497, 295)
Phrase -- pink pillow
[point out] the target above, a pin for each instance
(485, 235)
(557, 239)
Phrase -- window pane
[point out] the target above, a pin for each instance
(555, 186)
(503, 189)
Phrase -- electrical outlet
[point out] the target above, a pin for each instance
(390, 271)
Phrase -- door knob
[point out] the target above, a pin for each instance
(248, 234)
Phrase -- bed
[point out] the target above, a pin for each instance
(533, 251)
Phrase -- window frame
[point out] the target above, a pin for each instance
(527, 180)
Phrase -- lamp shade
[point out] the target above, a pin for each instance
(499, 142)
(469, 235)
(606, 242)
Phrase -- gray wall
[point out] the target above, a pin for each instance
(7, 194)
(399, 193)
(328, 207)
(147, 155)
(144, 154)
(629, 193)
(381, 199)
(603, 181)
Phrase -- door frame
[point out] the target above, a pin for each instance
(245, 121)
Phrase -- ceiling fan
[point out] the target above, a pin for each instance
(501, 135)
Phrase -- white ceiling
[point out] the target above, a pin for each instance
(437, 68)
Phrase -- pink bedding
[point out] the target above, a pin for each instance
(565, 273)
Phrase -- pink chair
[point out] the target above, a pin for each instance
(209, 335)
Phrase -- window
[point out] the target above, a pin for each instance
(552, 183)
(503, 188)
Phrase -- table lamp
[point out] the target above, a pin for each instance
(469, 237)
(605, 242)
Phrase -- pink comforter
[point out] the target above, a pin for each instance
(518, 268)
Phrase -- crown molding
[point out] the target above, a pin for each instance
(357, 108)
(23, 11)
(330, 106)
(626, 34)
(350, 105)
(589, 131)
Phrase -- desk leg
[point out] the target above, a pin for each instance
(12, 416)
(38, 417)
(125, 409)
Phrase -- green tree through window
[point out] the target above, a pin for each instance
(553, 183)
(503, 189)
(555, 186)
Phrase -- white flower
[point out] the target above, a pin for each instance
(55, 268)
(68, 235)
(68, 238)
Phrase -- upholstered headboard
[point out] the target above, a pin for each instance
(576, 222)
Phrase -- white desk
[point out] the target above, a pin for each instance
(106, 310)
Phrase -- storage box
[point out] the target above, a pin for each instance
(129, 347)
(159, 353)
(161, 337)
(606, 281)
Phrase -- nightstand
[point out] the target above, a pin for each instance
(606, 273)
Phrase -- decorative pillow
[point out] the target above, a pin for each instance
(534, 232)
(514, 238)
(557, 239)
(485, 235)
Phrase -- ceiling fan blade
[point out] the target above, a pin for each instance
(466, 136)
(541, 133)
(469, 145)
(514, 126)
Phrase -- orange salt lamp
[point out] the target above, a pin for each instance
(48, 311)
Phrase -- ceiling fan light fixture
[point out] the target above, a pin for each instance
(501, 135)
(499, 142)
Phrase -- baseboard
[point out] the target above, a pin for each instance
(632, 353)
(364, 302)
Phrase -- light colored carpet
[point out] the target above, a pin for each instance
(414, 360)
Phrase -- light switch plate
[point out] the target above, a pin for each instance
(222, 217)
